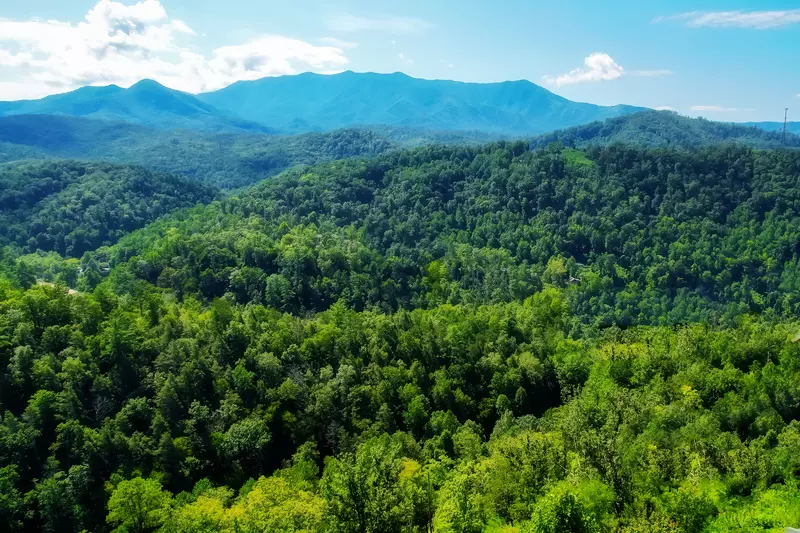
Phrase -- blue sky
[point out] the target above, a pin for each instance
(728, 60)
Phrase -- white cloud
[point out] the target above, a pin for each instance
(597, 67)
(338, 43)
(716, 109)
(14, 90)
(759, 20)
(446, 63)
(122, 44)
(405, 59)
(600, 67)
(651, 73)
(391, 24)
(664, 108)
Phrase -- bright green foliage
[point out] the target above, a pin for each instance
(768, 510)
(446, 339)
(637, 237)
(138, 505)
(565, 509)
(365, 491)
(418, 417)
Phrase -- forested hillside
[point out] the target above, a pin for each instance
(667, 129)
(791, 127)
(460, 339)
(224, 160)
(73, 207)
(638, 236)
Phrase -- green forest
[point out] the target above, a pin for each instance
(669, 129)
(72, 207)
(512, 337)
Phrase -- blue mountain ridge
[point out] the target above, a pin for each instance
(311, 102)
(147, 103)
(324, 102)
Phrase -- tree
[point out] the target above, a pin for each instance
(138, 504)
(364, 492)
(11, 503)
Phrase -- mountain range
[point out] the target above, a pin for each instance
(313, 102)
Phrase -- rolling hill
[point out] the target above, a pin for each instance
(223, 159)
(665, 129)
(791, 127)
(72, 207)
(313, 101)
(147, 103)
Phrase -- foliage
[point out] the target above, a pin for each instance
(447, 339)
(225, 160)
(635, 236)
(140, 412)
(71, 207)
(138, 505)
(669, 129)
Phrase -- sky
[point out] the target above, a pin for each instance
(727, 60)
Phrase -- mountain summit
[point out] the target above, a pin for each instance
(323, 102)
(147, 103)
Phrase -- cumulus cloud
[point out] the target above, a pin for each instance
(122, 44)
(390, 24)
(759, 20)
(597, 67)
(600, 67)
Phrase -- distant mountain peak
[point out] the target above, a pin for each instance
(146, 102)
(323, 102)
(149, 84)
(346, 99)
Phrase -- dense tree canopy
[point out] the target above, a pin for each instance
(668, 129)
(638, 236)
(151, 414)
(72, 207)
(446, 339)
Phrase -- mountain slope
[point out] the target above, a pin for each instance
(147, 103)
(72, 207)
(665, 128)
(225, 160)
(791, 127)
(313, 101)
(664, 235)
